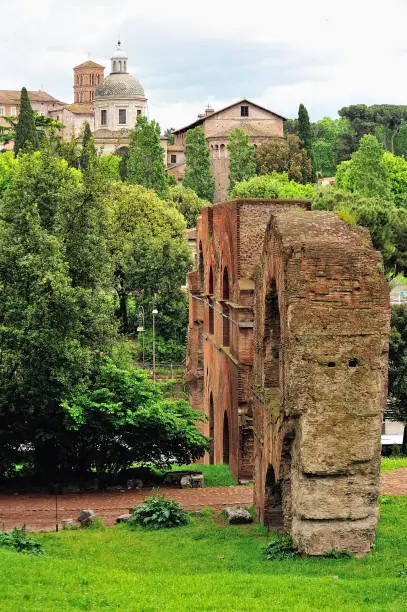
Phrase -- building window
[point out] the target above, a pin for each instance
(13, 111)
(122, 116)
(244, 111)
(138, 112)
(173, 159)
(91, 79)
(2, 111)
(103, 117)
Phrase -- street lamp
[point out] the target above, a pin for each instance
(155, 312)
(140, 328)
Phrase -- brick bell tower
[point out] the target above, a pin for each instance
(87, 77)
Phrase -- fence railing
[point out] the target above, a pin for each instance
(162, 367)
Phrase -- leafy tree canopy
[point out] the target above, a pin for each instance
(397, 407)
(187, 203)
(283, 156)
(198, 175)
(365, 173)
(241, 165)
(124, 418)
(272, 185)
(146, 164)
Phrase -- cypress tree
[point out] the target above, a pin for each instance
(198, 174)
(304, 129)
(88, 152)
(145, 163)
(26, 132)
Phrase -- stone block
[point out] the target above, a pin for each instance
(319, 537)
(237, 515)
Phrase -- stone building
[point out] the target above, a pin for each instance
(257, 122)
(41, 101)
(287, 356)
(119, 99)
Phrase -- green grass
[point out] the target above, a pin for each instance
(392, 463)
(214, 475)
(202, 567)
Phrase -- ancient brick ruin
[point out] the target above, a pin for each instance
(287, 357)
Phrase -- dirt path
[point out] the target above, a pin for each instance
(38, 511)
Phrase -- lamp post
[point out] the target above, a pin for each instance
(155, 312)
(140, 328)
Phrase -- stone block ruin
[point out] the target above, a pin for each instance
(301, 376)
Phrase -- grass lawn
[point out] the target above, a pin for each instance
(392, 463)
(202, 567)
(214, 475)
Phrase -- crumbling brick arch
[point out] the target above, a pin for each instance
(319, 381)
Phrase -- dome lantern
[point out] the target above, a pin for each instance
(119, 60)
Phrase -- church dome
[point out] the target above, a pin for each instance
(119, 85)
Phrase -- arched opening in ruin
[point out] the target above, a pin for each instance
(225, 308)
(278, 494)
(211, 316)
(226, 439)
(201, 267)
(210, 281)
(211, 429)
(272, 338)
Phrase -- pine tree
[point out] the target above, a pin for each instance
(241, 165)
(145, 164)
(88, 152)
(198, 165)
(26, 133)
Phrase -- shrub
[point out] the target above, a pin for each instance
(18, 540)
(395, 450)
(158, 512)
(338, 554)
(280, 549)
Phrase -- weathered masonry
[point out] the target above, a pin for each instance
(287, 356)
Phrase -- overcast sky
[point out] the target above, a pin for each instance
(187, 54)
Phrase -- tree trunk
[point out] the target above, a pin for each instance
(404, 444)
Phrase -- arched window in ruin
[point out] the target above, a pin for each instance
(273, 500)
(226, 320)
(211, 303)
(201, 267)
(272, 338)
(226, 439)
(211, 316)
(210, 281)
(222, 150)
(211, 429)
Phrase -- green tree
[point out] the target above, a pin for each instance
(326, 153)
(151, 255)
(88, 151)
(145, 164)
(8, 164)
(365, 173)
(241, 165)
(272, 185)
(52, 333)
(304, 129)
(387, 223)
(169, 134)
(198, 165)
(122, 418)
(187, 203)
(397, 404)
(286, 155)
(26, 133)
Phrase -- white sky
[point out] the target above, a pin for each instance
(324, 54)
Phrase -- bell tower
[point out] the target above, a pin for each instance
(87, 77)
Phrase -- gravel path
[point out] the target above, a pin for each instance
(38, 511)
